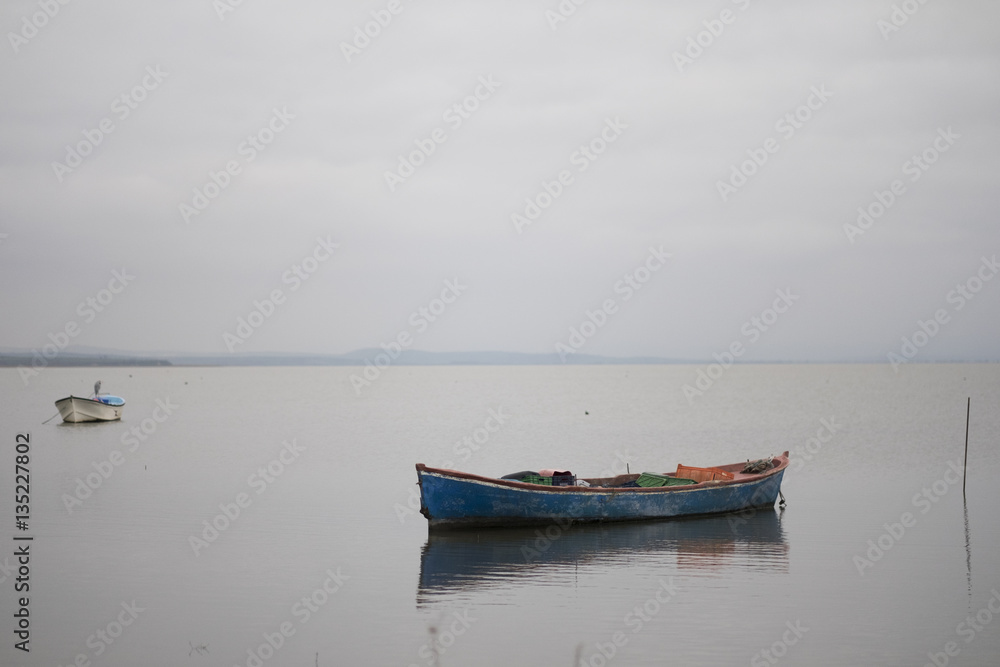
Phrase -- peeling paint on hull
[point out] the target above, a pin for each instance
(455, 499)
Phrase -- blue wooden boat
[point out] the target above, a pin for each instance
(449, 498)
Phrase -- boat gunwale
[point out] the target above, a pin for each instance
(82, 398)
(782, 463)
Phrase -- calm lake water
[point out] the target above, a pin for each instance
(876, 560)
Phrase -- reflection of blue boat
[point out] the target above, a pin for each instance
(462, 561)
(449, 498)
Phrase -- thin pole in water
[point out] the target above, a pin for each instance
(965, 467)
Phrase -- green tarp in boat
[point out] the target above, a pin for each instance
(651, 479)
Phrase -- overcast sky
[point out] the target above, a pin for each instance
(647, 112)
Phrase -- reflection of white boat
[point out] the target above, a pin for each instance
(98, 408)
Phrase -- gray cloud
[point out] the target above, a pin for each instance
(656, 184)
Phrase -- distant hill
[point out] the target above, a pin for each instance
(12, 359)
(87, 356)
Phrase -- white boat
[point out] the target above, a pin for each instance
(98, 408)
